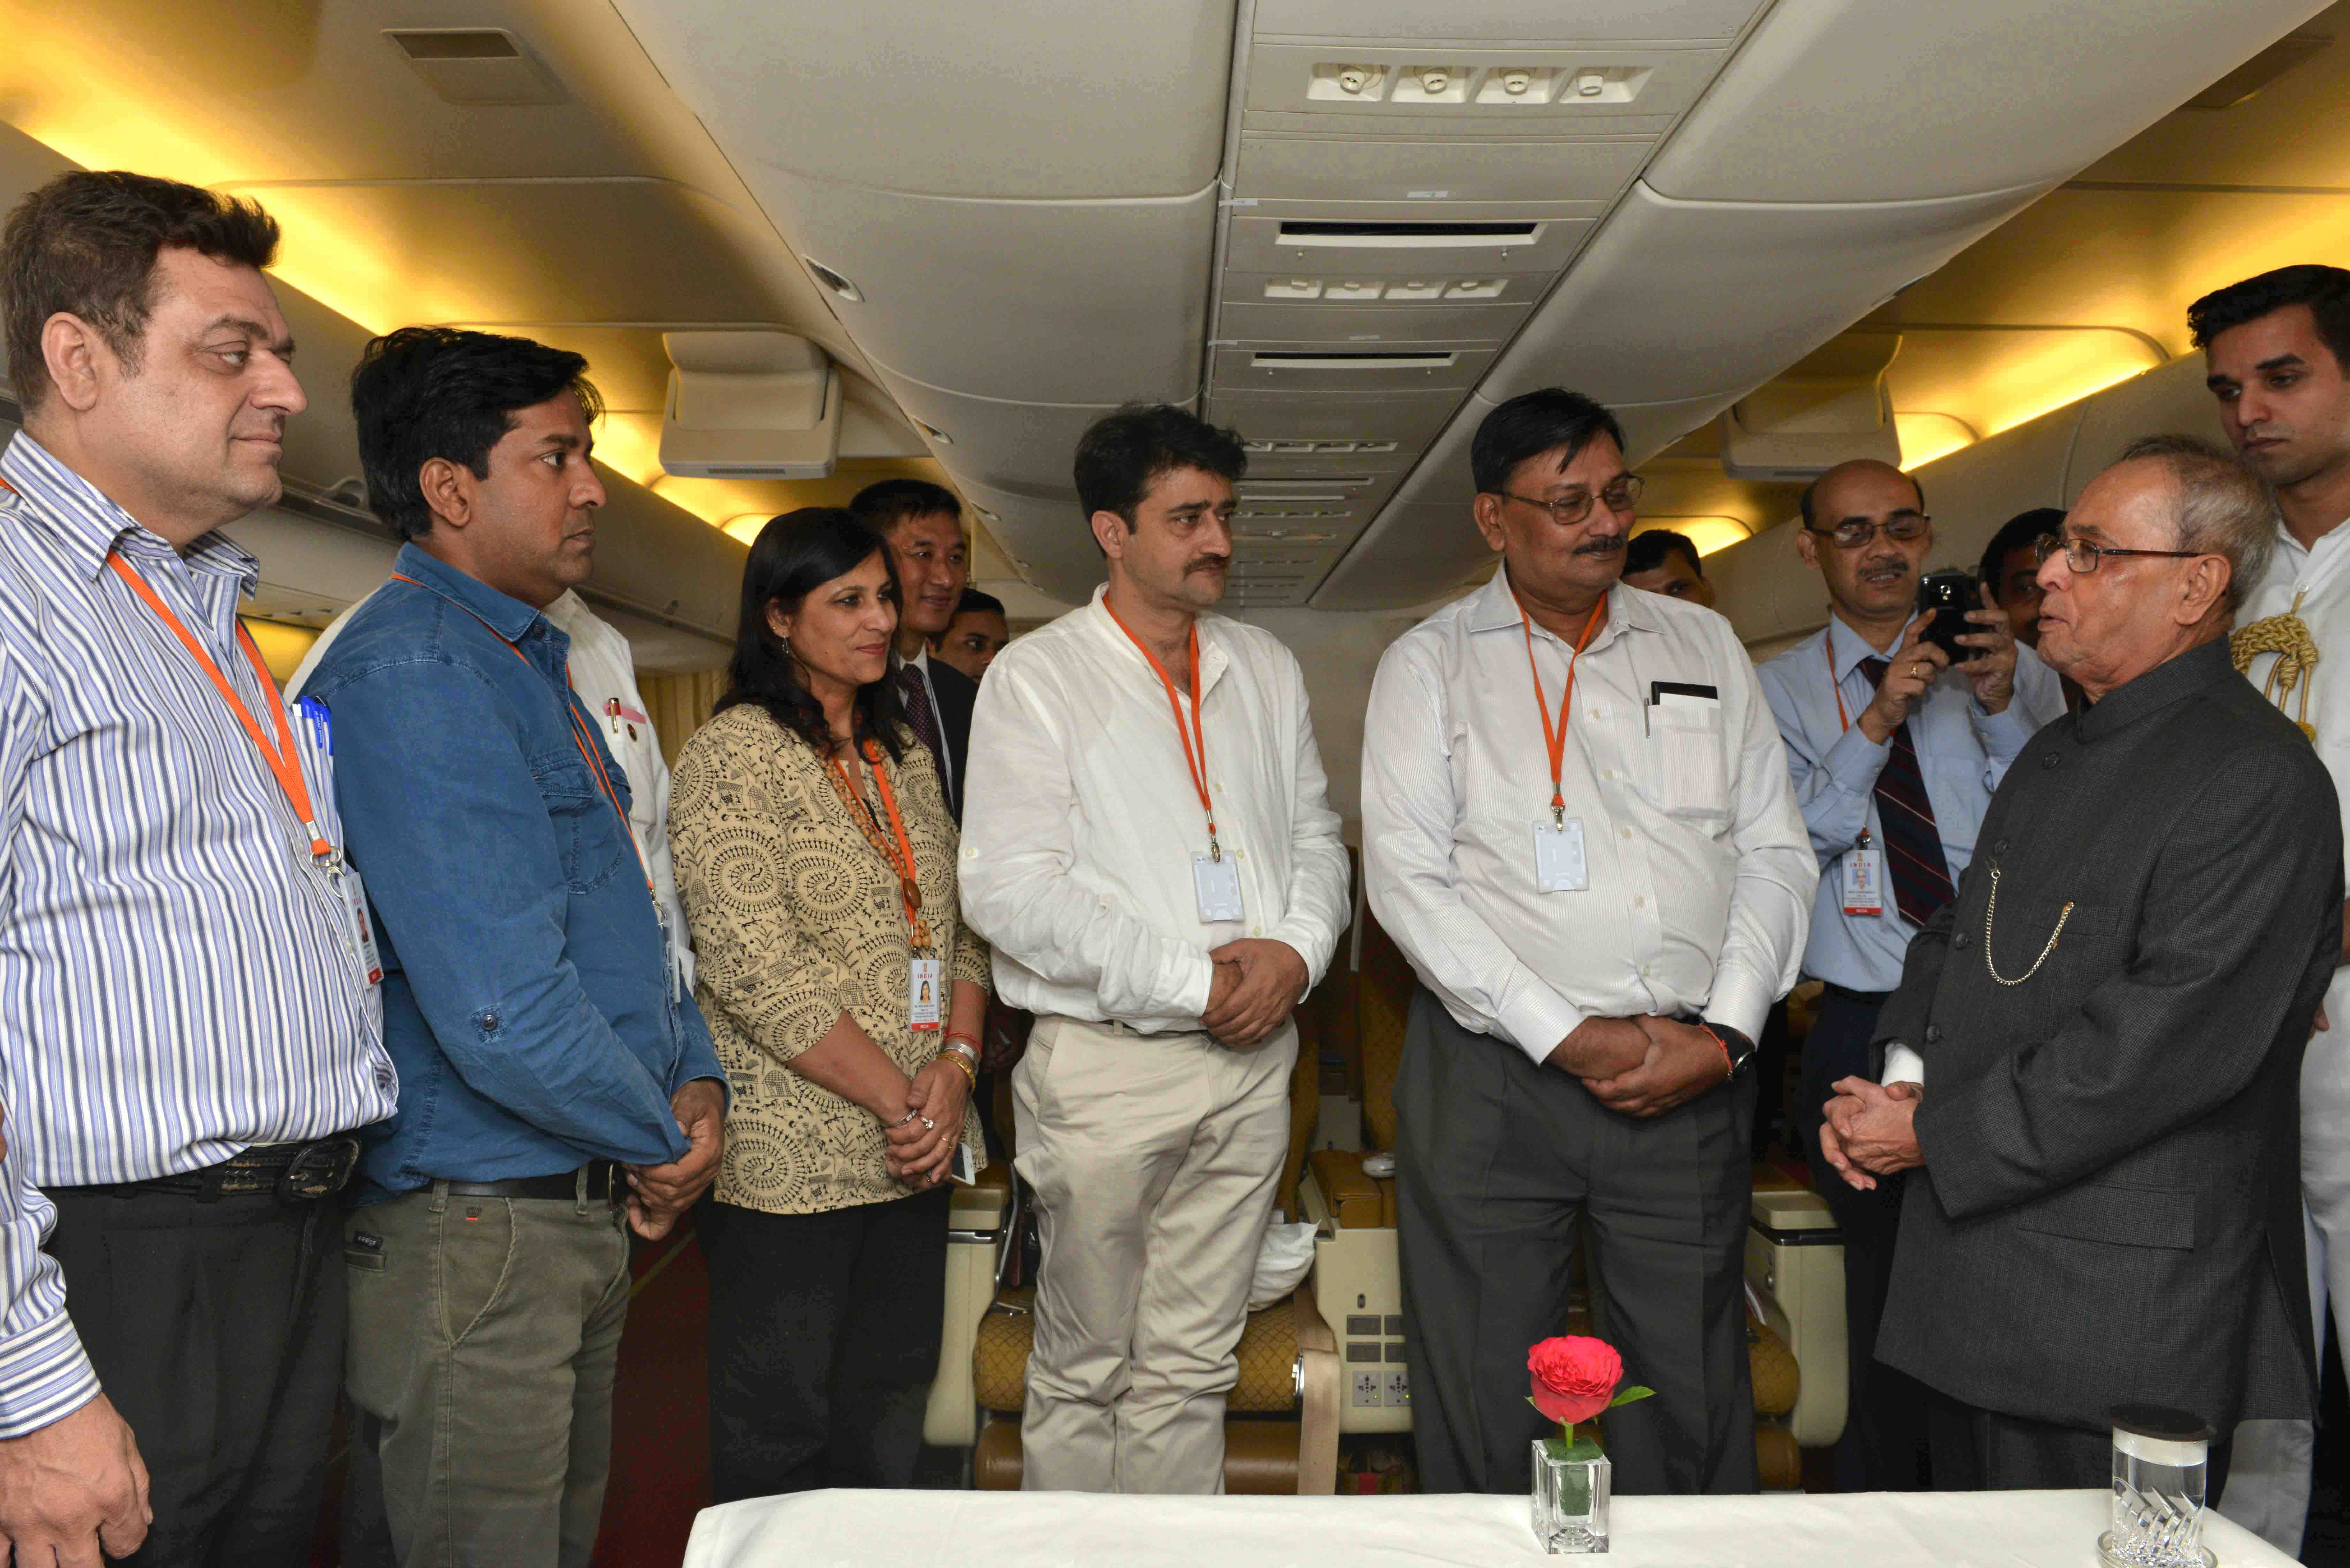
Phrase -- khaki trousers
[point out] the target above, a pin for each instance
(1154, 1160)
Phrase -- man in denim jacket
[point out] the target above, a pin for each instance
(554, 1080)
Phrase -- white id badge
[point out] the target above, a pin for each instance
(1558, 858)
(1217, 882)
(355, 909)
(1861, 881)
(925, 989)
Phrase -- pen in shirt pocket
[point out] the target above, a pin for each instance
(321, 728)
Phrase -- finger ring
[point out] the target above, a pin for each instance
(1919, 668)
(929, 1126)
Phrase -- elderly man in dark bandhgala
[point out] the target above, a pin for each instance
(2093, 1056)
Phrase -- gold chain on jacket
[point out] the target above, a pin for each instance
(1990, 909)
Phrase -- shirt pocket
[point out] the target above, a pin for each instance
(1683, 770)
(588, 834)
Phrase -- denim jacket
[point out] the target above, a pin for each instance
(528, 999)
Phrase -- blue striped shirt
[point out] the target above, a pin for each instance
(177, 979)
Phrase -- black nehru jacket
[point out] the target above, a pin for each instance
(2110, 1210)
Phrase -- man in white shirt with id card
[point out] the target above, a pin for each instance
(1601, 899)
(1147, 849)
(1895, 750)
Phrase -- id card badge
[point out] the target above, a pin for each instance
(1861, 881)
(1558, 858)
(1218, 883)
(355, 911)
(925, 988)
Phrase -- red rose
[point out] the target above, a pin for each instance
(1574, 1376)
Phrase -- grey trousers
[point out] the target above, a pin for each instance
(484, 1334)
(1500, 1164)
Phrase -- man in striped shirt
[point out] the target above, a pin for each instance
(186, 1021)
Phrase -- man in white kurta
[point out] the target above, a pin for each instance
(2275, 347)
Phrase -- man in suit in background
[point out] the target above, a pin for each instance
(1664, 561)
(2092, 1061)
(922, 525)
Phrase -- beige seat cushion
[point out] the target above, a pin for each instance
(1268, 1358)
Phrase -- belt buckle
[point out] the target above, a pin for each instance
(318, 1169)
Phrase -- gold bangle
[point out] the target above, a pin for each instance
(961, 1067)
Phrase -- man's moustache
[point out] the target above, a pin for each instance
(1601, 548)
(1220, 563)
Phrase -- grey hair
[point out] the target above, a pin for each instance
(2224, 509)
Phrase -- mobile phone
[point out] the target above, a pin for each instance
(1947, 594)
(963, 1168)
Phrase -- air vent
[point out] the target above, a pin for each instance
(1393, 291)
(935, 433)
(1342, 233)
(1318, 448)
(1350, 359)
(1287, 536)
(834, 281)
(1297, 489)
(476, 67)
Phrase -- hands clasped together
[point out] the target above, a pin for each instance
(919, 1150)
(1871, 1131)
(1642, 1066)
(1259, 982)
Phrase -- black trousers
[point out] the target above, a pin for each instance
(1884, 1446)
(824, 1338)
(1499, 1164)
(217, 1331)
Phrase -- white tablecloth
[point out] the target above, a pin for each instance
(1068, 1530)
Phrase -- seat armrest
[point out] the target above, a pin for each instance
(1321, 1389)
(1352, 1197)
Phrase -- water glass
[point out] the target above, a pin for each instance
(2161, 1458)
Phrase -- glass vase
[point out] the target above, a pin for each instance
(1570, 1495)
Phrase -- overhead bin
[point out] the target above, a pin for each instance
(1067, 302)
(1681, 299)
(1399, 239)
(1516, 20)
(1025, 447)
(1328, 367)
(1045, 537)
(1347, 427)
(1036, 99)
(1334, 169)
(2170, 400)
(1991, 94)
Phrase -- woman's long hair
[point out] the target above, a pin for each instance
(794, 555)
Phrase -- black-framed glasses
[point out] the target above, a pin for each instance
(1622, 494)
(2083, 556)
(1857, 533)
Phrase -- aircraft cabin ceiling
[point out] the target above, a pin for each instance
(1347, 227)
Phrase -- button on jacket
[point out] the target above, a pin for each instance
(177, 981)
(1701, 880)
(528, 995)
(1963, 751)
(1081, 821)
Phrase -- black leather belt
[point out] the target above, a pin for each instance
(296, 1172)
(606, 1180)
(1864, 998)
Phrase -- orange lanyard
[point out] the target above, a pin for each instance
(1555, 737)
(588, 753)
(1197, 761)
(901, 858)
(1835, 684)
(282, 758)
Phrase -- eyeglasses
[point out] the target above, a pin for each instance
(1857, 533)
(2083, 556)
(1620, 495)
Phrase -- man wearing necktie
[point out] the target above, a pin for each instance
(1894, 756)
(922, 525)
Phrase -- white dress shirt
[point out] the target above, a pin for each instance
(1081, 820)
(604, 677)
(1700, 877)
(2319, 579)
(1962, 754)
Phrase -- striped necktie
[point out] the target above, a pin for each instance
(1913, 845)
(916, 694)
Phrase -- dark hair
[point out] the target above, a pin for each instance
(794, 555)
(887, 503)
(86, 244)
(1804, 502)
(975, 602)
(2020, 532)
(2324, 289)
(1122, 454)
(1649, 548)
(425, 392)
(1531, 424)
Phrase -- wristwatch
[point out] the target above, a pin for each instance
(1740, 1049)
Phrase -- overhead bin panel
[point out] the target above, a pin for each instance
(1397, 239)
(1991, 94)
(1299, 366)
(1678, 300)
(1505, 19)
(1018, 99)
(1045, 537)
(1067, 302)
(1332, 169)
(1339, 322)
(1340, 427)
(1377, 88)
(1015, 446)
(2169, 400)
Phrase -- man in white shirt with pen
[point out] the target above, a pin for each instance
(1148, 851)
(1894, 752)
(1601, 899)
